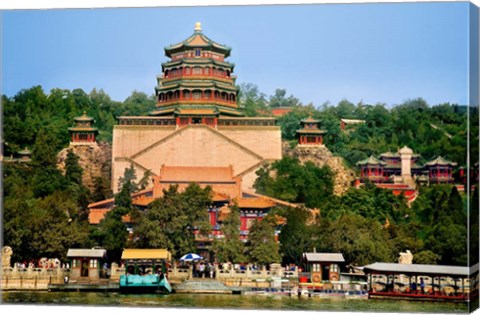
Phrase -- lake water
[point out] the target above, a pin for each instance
(234, 302)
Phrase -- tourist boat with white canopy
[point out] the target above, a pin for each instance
(422, 282)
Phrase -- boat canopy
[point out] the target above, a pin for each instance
(146, 254)
(422, 269)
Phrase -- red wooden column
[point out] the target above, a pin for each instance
(213, 218)
(243, 223)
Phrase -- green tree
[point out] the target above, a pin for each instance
(44, 152)
(251, 101)
(138, 103)
(123, 199)
(262, 247)
(295, 182)
(46, 178)
(196, 200)
(73, 171)
(16, 214)
(230, 248)
(101, 189)
(440, 210)
(426, 257)
(297, 235)
(164, 225)
(279, 99)
(362, 241)
(112, 234)
(54, 228)
(170, 221)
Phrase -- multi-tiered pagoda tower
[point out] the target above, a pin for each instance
(197, 85)
(197, 121)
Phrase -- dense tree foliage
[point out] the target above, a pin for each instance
(307, 184)
(262, 248)
(31, 110)
(366, 224)
(111, 233)
(230, 248)
(45, 225)
(297, 236)
(169, 222)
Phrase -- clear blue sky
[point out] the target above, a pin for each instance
(323, 52)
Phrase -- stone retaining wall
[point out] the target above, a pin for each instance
(40, 278)
(31, 278)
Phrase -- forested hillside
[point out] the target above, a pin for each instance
(45, 211)
(429, 129)
(32, 110)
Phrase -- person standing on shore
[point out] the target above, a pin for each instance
(211, 269)
(202, 270)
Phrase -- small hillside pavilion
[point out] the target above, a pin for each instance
(310, 134)
(372, 169)
(83, 132)
(440, 170)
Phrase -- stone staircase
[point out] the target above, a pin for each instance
(203, 286)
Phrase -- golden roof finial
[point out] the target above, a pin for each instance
(198, 27)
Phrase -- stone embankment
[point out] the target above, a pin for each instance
(30, 279)
(94, 158)
(321, 156)
(51, 279)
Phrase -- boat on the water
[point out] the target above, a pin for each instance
(145, 271)
(153, 283)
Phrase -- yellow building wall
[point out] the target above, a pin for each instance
(150, 147)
